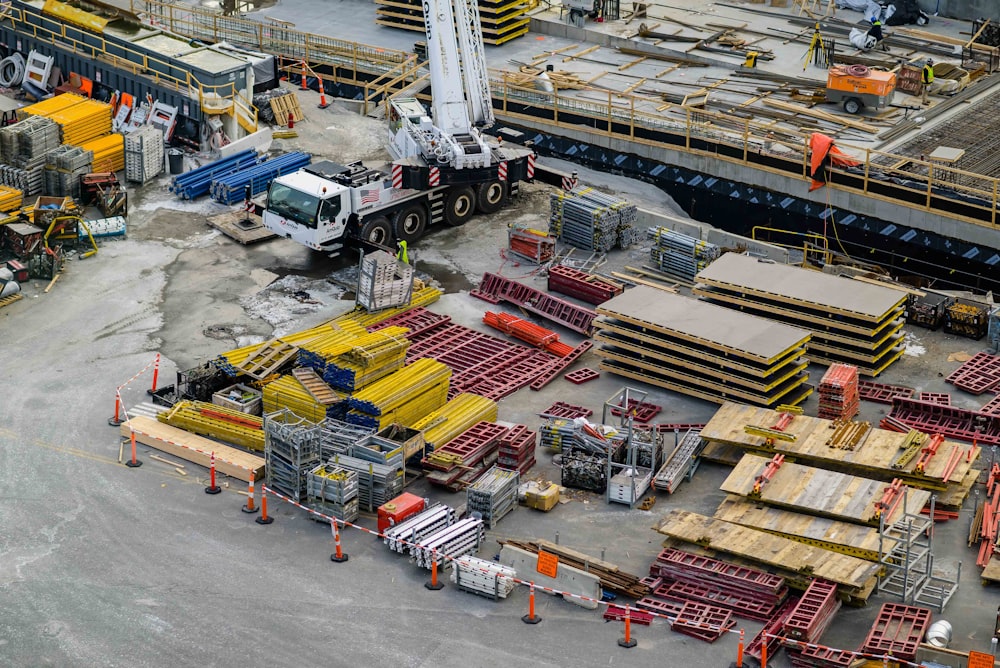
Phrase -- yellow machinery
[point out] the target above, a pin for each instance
(59, 224)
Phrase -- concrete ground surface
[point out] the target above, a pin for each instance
(101, 565)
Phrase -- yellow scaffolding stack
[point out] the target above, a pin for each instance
(403, 397)
(50, 106)
(422, 297)
(444, 424)
(10, 199)
(287, 392)
(109, 153)
(367, 359)
(82, 122)
(224, 424)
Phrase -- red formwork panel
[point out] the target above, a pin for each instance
(817, 605)
(672, 562)
(561, 409)
(979, 374)
(668, 608)
(559, 364)
(816, 655)
(882, 393)
(418, 320)
(472, 445)
(991, 407)
(703, 621)
(641, 411)
(616, 613)
(581, 285)
(898, 630)
(577, 318)
(939, 398)
(740, 603)
(581, 376)
(950, 421)
(771, 633)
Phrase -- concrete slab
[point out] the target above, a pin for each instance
(569, 579)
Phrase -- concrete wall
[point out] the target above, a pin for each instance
(705, 232)
(966, 10)
(567, 578)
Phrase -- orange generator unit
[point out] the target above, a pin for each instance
(857, 87)
(395, 511)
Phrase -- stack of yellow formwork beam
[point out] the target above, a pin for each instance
(455, 417)
(403, 397)
(340, 331)
(287, 392)
(422, 297)
(50, 106)
(367, 359)
(217, 422)
(10, 199)
(109, 152)
(83, 122)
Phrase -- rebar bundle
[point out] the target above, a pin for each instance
(583, 471)
(591, 220)
(678, 254)
(217, 422)
(460, 413)
(493, 495)
(404, 396)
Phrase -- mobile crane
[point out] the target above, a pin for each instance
(445, 167)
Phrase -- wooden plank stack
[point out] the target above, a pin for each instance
(838, 393)
(851, 322)
(701, 349)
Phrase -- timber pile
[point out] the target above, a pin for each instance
(612, 578)
(701, 349)
(851, 322)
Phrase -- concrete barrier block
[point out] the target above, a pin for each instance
(646, 218)
(728, 240)
(569, 579)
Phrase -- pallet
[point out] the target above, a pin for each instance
(283, 106)
(267, 359)
(7, 301)
(242, 227)
(315, 386)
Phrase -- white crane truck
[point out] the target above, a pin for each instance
(445, 169)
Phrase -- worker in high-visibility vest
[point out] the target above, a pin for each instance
(927, 78)
(876, 32)
(401, 253)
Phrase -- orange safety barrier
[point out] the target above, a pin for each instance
(250, 507)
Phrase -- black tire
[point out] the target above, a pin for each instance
(377, 231)
(490, 196)
(852, 105)
(459, 206)
(409, 223)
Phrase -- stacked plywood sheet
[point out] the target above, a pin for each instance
(852, 322)
(700, 349)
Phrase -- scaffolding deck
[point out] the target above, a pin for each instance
(857, 575)
(851, 539)
(806, 489)
(873, 457)
(802, 287)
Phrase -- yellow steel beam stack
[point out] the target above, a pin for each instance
(217, 422)
(83, 122)
(10, 199)
(404, 397)
(422, 297)
(109, 153)
(340, 331)
(367, 359)
(287, 392)
(50, 106)
(454, 418)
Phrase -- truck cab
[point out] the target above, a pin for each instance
(309, 206)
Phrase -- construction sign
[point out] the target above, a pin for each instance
(976, 659)
(548, 564)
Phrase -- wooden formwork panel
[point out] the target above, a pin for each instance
(818, 491)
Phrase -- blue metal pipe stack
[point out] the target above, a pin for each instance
(678, 254)
(197, 182)
(230, 188)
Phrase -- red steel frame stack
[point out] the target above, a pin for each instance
(528, 332)
(464, 458)
(561, 409)
(989, 521)
(881, 393)
(950, 421)
(640, 411)
(517, 449)
(495, 288)
(838, 393)
(979, 374)
(814, 612)
(898, 630)
(581, 285)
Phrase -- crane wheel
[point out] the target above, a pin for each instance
(490, 196)
(409, 223)
(459, 206)
(377, 231)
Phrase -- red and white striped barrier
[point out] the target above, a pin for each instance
(154, 364)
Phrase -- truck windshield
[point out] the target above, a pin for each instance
(293, 204)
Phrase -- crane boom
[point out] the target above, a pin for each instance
(470, 42)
